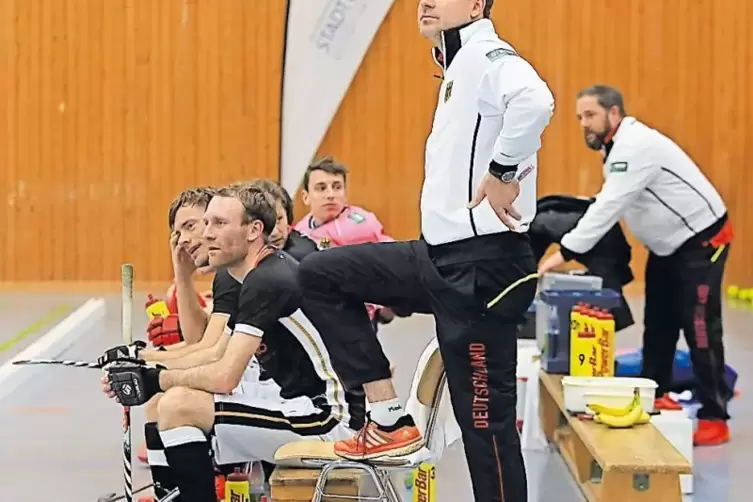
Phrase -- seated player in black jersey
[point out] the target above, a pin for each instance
(213, 398)
(188, 257)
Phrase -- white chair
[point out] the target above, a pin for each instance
(321, 455)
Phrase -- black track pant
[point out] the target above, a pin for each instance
(455, 282)
(683, 292)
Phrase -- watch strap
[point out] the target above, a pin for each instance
(506, 174)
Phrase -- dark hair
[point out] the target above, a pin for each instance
(606, 96)
(488, 8)
(199, 196)
(279, 193)
(326, 164)
(257, 202)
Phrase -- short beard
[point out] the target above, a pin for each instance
(599, 138)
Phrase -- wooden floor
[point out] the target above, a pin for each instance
(60, 425)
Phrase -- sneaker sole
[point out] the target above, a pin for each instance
(402, 451)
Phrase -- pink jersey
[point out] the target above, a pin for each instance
(353, 225)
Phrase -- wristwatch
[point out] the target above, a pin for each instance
(505, 174)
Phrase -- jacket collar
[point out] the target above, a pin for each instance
(624, 124)
(454, 38)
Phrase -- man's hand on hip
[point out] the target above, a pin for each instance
(501, 195)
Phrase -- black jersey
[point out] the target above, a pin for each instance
(292, 352)
(225, 293)
(298, 245)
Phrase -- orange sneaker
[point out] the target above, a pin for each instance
(667, 403)
(376, 440)
(711, 433)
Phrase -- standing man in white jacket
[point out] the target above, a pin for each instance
(473, 267)
(674, 210)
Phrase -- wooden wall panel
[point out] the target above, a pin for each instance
(110, 109)
(684, 67)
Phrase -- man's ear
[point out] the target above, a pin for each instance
(254, 231)
(305, 197)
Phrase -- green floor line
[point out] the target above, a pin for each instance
(35, 327)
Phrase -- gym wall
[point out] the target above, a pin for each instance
(113, 107)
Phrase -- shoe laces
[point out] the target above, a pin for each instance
(361, 435)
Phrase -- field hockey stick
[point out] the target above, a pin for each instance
(126, 276)
(74, 364)
(112, 497)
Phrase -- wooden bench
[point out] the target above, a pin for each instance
(611, 465)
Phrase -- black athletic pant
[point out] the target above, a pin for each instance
(455, 282)
(683, 292)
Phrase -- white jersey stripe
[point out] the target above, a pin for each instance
(310, 339)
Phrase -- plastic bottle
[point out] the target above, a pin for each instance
(607, 343)
(156, 308)
(259, 490)
(237, 487)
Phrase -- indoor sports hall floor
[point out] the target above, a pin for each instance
(61, 437)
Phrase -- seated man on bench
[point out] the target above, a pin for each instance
(213, 399)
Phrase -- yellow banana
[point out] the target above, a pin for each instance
(624, 421)
(645, 418)
(617, 412)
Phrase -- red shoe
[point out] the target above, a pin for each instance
(711, 433)
(667, 403)
(375, 441)
(147, 498)
(142, 454)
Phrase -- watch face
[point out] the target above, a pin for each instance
(508, 176)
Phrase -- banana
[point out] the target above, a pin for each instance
(645, 418)
(617, 412)
(624, 421)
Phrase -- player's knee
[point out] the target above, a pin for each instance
(151, 408)
(176, 408)
(310, 269)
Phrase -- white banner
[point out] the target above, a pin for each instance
(325, 44)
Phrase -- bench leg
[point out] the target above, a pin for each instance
(549, 413)
(637, 487)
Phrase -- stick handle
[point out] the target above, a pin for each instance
(74, 364)
(126, 275)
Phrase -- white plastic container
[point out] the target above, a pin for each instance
(609, 391)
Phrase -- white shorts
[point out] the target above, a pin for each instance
(254, 421)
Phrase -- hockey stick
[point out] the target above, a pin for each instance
(111, 497)
(126, 277)
(74, 364)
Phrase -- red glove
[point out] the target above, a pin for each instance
(164, 331)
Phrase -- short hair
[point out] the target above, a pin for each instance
(258, 204)
(328, 165)
(606, 96)
(488, 8)
(199, 196)
(279, 193)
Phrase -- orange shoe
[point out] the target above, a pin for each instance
(667, 403)
(147, 498)
(376, 440)
(711, 433)
(142, 454)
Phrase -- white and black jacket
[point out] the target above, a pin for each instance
(651, 182)
(492, 105)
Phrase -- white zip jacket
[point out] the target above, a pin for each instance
(492, 105)
(662, 194)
